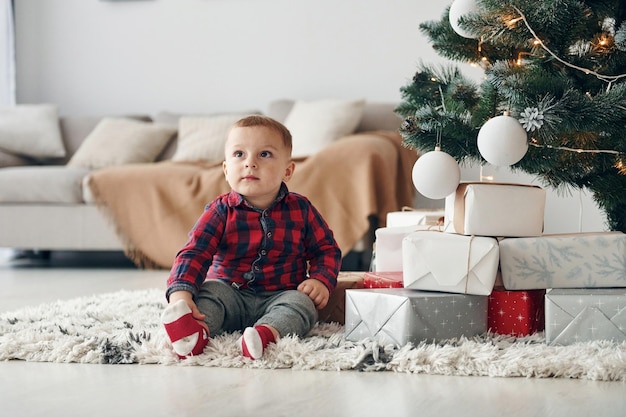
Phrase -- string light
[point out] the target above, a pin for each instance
(484, 61)
(610, 79)
(520, 57)
(537, 42)
(534, 143)
(511, 23)
(606, 78)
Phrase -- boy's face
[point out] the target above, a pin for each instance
(256, 162)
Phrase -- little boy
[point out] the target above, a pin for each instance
(260, 258)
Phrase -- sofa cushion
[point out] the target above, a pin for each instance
(376, 115)
(379, 116)
(31, 130)
(11, 160)
(173, 118)
(279, 109)
(42, 184)
(117, 141)
(74, 130)
(203, 138)
(315, 124)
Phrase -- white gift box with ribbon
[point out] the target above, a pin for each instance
(452, 263)
(415, 217)
(495, 209)
(389, 246)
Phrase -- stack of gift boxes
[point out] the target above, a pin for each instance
(483, 264)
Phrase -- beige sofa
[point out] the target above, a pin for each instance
(42, 203)
(49, 206)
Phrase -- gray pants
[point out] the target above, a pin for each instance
(228, 309)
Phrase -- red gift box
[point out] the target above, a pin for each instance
(383, 280)
(517, 313)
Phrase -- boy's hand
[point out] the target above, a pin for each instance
(195, 313)
(316, 291)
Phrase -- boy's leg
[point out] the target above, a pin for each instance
(286, 312)
(223, 307)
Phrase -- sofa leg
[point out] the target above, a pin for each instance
(28, 254)
(357, 261)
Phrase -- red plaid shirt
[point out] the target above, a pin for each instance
(266, 250)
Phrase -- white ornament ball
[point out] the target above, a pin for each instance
(461, 8)
(502, 141)
(436, 174)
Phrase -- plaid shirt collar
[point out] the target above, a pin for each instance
(235, 199)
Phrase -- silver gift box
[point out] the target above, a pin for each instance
(584, 314)
(400, 316)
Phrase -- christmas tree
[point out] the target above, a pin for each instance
(558, 67)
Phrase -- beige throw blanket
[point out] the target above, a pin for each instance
(153, 206)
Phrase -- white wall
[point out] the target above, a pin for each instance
(96, 57)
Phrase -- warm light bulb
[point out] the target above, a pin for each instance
(512, 22)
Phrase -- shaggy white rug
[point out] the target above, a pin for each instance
(124, 327)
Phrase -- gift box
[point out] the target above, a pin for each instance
(448, 262)
(415, 218)
(400, 316)
(383, 280)
(577, 260)
(517, 313)
(335, 310)
(495, 209)
(584, 314)
(388, 249)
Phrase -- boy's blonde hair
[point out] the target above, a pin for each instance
(264, 121)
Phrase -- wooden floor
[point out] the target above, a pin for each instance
(44, 389)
